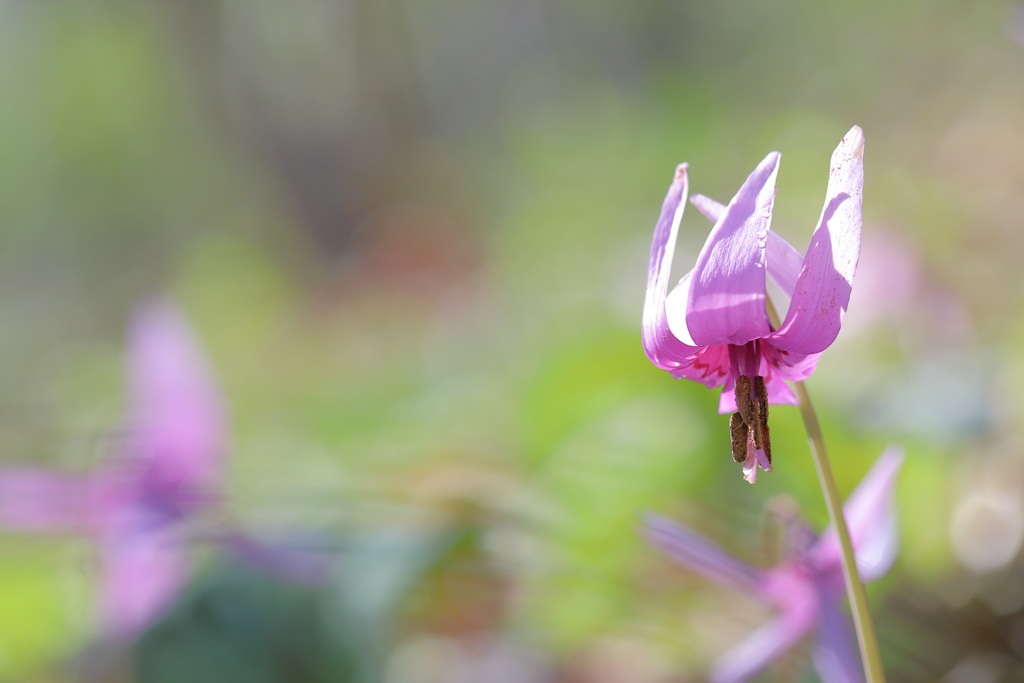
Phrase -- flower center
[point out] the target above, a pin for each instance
(748, 426)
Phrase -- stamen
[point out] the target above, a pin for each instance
(748, 427)
(744, 400)
(739, 432)
(762, 436)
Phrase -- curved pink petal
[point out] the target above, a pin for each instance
(784, 261)
(779, 393)
(176, 413)
(790, 365)
(798, 601)
(769, 642)
(822, 290)
(144, 567)
(871, 517)
(709, 365)
(699, 554)
(38, 500)
(726, 302)
(661, 346)
(711, 209)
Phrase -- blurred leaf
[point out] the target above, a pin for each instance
(377, 575)
(237, 624)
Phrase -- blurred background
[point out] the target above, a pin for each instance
(412, 239)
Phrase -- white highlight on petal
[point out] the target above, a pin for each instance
(675, 310)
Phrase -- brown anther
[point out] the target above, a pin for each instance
(744, 400)
(762, 436)
(761, 396)
(739, 431)
(748, 426)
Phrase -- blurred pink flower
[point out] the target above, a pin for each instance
(137, 506)
(714, 326)
(888, 281)
(894, 285)
(805, 587)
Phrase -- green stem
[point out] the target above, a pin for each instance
(854, 586)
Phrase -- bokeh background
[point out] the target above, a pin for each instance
(413, 240)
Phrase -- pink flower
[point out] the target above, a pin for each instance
(806, 587)
(138, 505)
(714, 327)
(142, 505)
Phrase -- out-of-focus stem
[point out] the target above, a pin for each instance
(863, 624)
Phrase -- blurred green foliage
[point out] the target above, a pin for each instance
(415, 245)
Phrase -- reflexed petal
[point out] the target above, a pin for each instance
(757, 651)
(765, 645)
(822, 291)
(784, 261)
(790, 365)
(661, 346)
(38, 500)
(727, 293)
(836, 658)
(699, 554)
(144, 568)
(711, 209)
(176, 412)
(795, 595)
(779, 392)
(871, 516)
